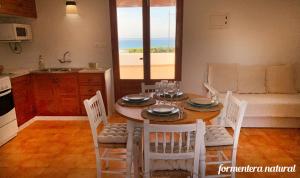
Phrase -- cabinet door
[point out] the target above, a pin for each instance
(90, 83)
(30, 106)
(23, 98)
(9, 7)
(27, 8)
(24, 8)
(44, 92)
(67, 94)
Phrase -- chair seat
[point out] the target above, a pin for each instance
(116, 133)
(113, 133)
(217, 136)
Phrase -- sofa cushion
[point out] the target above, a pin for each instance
(251, 79)
(280, 79)
(270, 105)
(297, 74)
(223, 77)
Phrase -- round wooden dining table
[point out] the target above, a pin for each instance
(134, 114)
(135, 119)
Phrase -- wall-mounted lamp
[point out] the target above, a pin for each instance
(71, 7)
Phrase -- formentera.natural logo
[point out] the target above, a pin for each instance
(248, 168)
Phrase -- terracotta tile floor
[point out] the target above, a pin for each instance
(57, 149)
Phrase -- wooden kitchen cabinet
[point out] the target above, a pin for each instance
(43, 88)
(23, 98)
(22, 8)
(56, 94)
(89, 83)
(68, 94)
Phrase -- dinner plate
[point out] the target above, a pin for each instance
(163, 110)
(135, 98)
(203, 106)
(175, 111)
(201, 101)
(176, 95)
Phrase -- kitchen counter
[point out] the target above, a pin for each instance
(16, 73)
(100, 70)
(20, 72)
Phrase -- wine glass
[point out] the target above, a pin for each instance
(171, 91)
(157, 88)
(164, 85)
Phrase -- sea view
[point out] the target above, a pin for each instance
(138, 43)
(162, 58)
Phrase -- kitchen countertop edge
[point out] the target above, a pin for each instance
(22, 73)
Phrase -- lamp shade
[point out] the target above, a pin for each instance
(71, 7)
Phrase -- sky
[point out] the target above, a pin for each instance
(162, 22)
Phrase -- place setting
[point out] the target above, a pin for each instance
(163, 112)
(169, 91)
(202, 104)
(136, 100)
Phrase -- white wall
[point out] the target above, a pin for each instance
(259, 32)
(86, 36)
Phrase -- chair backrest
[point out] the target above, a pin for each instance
(96, 113)
(174, 142)
(233, 114)
(211, 91)
(149, 88)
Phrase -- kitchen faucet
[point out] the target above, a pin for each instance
(64, 60)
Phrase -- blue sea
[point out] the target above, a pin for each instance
(138, 43)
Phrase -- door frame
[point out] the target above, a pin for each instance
(127, 86)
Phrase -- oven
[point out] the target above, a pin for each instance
(8, 119)
(6, 102)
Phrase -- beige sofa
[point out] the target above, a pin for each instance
(272, 92)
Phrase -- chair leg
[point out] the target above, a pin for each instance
(202, 165)
(136, 161)
(130, 130)
(98, 163)
(233, 161)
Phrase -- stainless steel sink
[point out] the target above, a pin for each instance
(57, 70)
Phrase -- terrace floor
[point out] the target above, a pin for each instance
(65, 149)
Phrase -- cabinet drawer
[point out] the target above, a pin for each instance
(90, 90)
(92, 79)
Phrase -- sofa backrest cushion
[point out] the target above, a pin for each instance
(251, 79)
(280, 79)
(297, 77)
(223, 77)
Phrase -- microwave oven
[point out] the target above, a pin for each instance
(15, 32)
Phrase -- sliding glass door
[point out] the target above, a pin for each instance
(130, 39)
(146, 42)
(162, 39)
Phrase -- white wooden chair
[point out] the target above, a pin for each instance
(149, 88)
(172, 148)
(217, 138)
(112, 136)
(211, 91)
